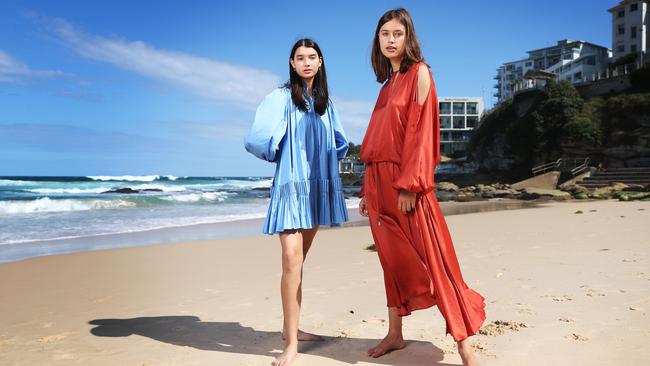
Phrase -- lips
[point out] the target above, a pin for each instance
(391, 49)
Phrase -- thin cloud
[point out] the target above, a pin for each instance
(355, 115)
(222, 82)
(12, 70)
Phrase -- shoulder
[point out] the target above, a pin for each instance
(277, 97)
(421, 70)
(423, 75)
(278, 93)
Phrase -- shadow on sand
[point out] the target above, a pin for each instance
(190, 331)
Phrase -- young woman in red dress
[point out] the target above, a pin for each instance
(401, 149)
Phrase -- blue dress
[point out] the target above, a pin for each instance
(306, 148)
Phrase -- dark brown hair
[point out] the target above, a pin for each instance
(412, 54)
(297, 86)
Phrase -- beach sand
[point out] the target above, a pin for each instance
(565, 284)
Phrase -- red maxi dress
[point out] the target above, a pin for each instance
(401, 149)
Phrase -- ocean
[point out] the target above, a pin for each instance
(51, 209)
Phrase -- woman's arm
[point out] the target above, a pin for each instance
(420, 152)
(270, 126)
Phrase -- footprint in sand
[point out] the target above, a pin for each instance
(375, 321)
(629, 260)
(53, 338)
(566, 320)
(560, 298)
(499, 327)
(576, 337)
(591, 292)
(526, 311)
(346, 333)
(483, 348)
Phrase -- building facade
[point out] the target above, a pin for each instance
(630, 28)
(576, 61)
(459, 116)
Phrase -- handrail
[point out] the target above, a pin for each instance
(544, 167)
(580, 168)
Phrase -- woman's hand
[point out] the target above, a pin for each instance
(406, 201)
(363, 207)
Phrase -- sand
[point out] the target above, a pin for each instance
(565, 284)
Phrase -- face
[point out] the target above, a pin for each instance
(392, 37)
(306, 62)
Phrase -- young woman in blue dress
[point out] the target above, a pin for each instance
(297, 127)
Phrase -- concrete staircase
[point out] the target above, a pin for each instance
(621, 175)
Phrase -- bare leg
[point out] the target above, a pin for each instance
(307, 240)
(467, 353)
(292, 258)
(393, 340)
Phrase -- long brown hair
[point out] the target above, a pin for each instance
(412, 54)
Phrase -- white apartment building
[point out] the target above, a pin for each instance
(459, 116)
(576, 61)
(630, 28)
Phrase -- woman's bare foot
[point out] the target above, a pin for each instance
(306, 337)
(287, 357)
(466, 351)
(390, 343)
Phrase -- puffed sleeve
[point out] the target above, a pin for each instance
(270, 126)
(341, 142)
(421, 149)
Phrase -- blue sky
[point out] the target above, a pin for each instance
(152, 87)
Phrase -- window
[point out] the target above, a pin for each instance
(529, 64)
(633, 32)
(445, 108)
(472, 108)
(633, 48)
(568, 56)
(620, 48)
(445, 122)
(590, 60)
(472, 121)
(459, 108)
(634, 7)
(620, 14)
(446, 136)
(621, 29)
(457, 136)
(459, 122)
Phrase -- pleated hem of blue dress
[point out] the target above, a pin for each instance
(305, 204)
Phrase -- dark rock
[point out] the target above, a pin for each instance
(122, 190)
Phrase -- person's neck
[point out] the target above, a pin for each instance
(395, 64)
(309, 83)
